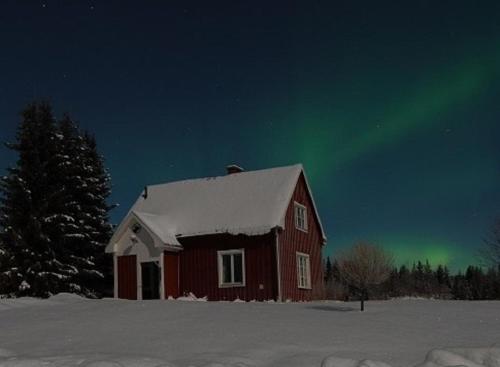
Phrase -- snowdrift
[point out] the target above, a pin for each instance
(467, 357)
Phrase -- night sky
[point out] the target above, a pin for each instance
(394, 109)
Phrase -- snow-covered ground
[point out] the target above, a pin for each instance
(69, 331)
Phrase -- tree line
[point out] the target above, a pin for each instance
(418, 280)
(54, 219)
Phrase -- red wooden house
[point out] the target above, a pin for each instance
(252, 235)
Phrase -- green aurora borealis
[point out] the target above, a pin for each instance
(329, 142)
(393, 108)
(416, 110)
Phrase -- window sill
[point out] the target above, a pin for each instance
(301, 229)
(232, 285)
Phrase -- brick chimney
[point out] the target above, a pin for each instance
(233, 168)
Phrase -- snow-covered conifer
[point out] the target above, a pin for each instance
(30, 265)
(53, 212)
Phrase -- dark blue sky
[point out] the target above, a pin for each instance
(392, 108)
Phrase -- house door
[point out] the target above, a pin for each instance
(127, 276)
(150, 272)
(171, 266)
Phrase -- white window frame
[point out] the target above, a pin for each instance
(303, 272)
(297, 207)
(220, 254)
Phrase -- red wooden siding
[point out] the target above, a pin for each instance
(292, 240)
(199, 268)
(171, 274)
(127, 277)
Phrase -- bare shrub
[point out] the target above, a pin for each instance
(363, 266)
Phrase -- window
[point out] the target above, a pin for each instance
(300, 217)
(136, 228)
(303, 271)
(231, 268)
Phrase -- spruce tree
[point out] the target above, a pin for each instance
(405, 282)
(73, 232)
(328, 270)
(95, 218)
(496, 286)
(429, 281)
(86, 187)
(490, 253)
(30, 265)
(489, 284)
(440, 280)
(458, 289)
(392, 285)
(446, 277)
(418, 278)
(53, 215)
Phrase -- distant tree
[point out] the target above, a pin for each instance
(334, 284)
(442, 277)
(476, 284)
(328, 270)
(490, 253)
(405, 283)
(461, 289)
(418, 278)
(496, 283)
(336, 271)
(491, 284)
(457, 290)
(475, 281)
(4, 262)
(392, 285)
(364, 266)
(429, 282)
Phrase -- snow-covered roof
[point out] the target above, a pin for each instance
(250, 202)
(157, 225)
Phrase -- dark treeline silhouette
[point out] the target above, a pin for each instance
(421, 280)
